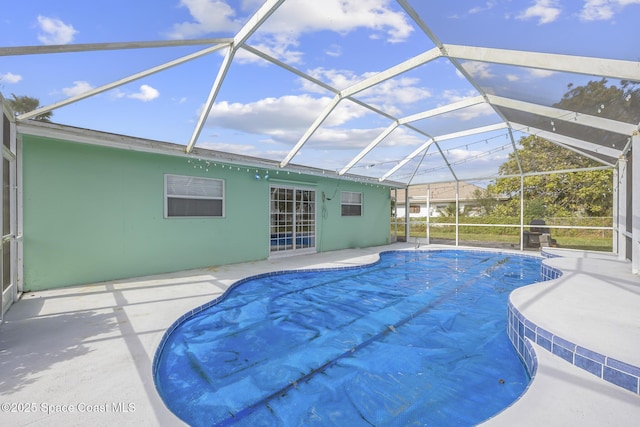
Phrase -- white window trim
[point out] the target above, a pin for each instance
(361, 204)
(166, 197)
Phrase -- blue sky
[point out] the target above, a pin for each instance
(262, 110)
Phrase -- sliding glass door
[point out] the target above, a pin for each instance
(292, 220)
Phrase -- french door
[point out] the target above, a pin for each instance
(292, 220)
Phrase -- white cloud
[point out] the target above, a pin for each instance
(545, 11)
(226, 147)
(451, 96)
(400, 90)
(54, 31)
(338, 79)
(145, 94)
(117, 94)
(603, 10)
(302, 16)
(477, 69)
(279, 35)
(401, 137)
(78, 87)
(468, 113)
(208, 16)
(540, 74)
(282, 118)
(280, 122)
(334, 50)
(10, 78)
(280, 46)
(479, 9)
(459, 155)
(343, 139)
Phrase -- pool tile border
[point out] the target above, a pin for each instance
(522, 332)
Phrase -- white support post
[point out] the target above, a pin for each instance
(395, 215)
(521, 212)
(370, 147)
(622, 209)
(457, 212)
(319, 120)
(407, 228)
(250, 27)
(617, 69)
(213, 93)
(635, 203)
(121, 82)
(428, 214)
(616, 197)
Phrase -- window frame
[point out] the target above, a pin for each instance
(350, 204)
(218, 182)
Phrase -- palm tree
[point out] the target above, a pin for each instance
(25, 104)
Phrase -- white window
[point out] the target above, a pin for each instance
(351, 203)
(190, 196)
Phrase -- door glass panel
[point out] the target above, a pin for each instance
(6, 265)
(281, 219)
(6, 129)
(6, 191)
(292, 223)
(8, 288)
(6, 226)
(305, 219)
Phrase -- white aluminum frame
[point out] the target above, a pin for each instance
(11, 294)
(609, 68)
(222, 197)
(294, 187)
(361, 204)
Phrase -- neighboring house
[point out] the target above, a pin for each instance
(440, 198)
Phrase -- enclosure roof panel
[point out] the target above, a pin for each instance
(393, 91)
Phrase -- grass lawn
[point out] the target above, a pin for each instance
(588, 241)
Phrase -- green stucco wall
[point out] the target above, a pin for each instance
(92, 213)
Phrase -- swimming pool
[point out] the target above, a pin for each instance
(418, 338)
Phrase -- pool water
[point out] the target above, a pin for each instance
(418, 338)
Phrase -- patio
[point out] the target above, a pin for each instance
(85, 353)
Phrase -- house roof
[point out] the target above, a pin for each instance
(408, 91)
(443, 192)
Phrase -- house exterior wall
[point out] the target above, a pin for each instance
(93, 213)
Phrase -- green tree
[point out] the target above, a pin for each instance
(586, 193)
(449, 211)
(597, 98)
(25, 104)
(485, 201)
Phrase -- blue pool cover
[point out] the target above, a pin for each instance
(418, 338)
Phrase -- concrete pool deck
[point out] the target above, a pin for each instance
(83, 355)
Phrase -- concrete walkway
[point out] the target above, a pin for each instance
(83, 355)
(588, 317)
